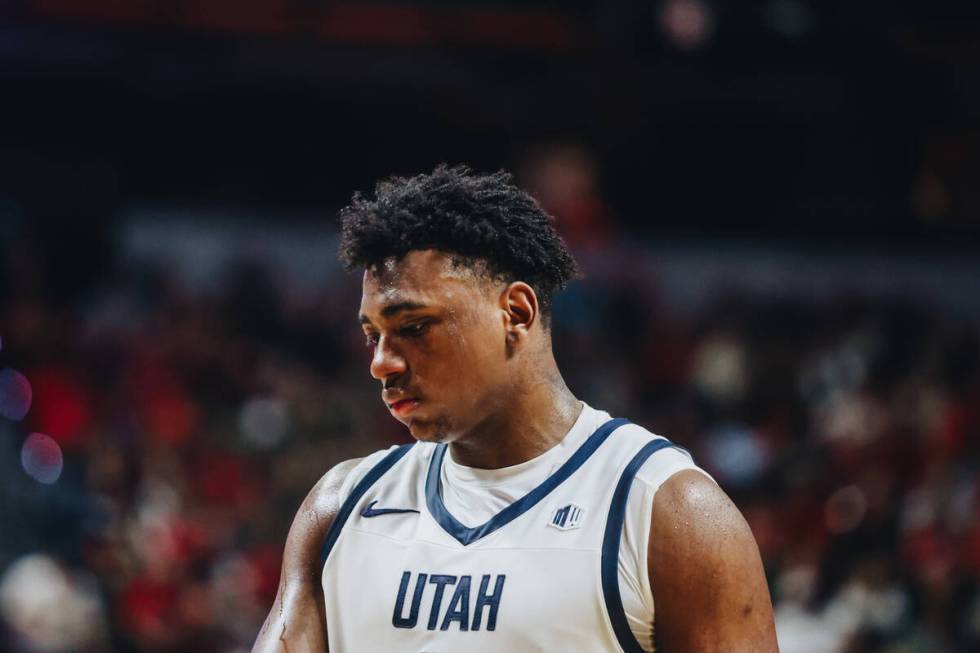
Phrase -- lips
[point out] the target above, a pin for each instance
(403, 406)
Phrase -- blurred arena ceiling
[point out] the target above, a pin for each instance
(788, 116)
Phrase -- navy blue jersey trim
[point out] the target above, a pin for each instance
(362, 486)
(610, 547)
(433, 488)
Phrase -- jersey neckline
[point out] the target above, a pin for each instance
(466, 535)
(528, 474)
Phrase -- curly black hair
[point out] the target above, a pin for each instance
(483, 220)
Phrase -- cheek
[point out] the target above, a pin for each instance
(463, 362)
(485, 359)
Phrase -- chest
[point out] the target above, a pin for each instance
(405, 575)
(408, 587)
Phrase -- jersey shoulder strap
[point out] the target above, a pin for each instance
(609, 565)
(362, 486)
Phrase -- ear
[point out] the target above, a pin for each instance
(520, 306)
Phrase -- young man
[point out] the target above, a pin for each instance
(521, 519)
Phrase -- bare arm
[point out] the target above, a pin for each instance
(709, 588)
(297, 620)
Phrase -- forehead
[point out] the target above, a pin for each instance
(422, 277)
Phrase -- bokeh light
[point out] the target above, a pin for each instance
(263, 421)
(736, 454)
(15, 394)
(49, 608)
(41, 458)
(687, 23)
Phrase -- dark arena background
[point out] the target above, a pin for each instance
(776, 204)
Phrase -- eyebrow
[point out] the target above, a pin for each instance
(393, 309)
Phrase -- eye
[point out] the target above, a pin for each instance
(371, 339)
(413, 330)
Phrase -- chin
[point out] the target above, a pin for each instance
(429, 431)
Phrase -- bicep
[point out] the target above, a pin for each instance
(708, 583)
(297, 619)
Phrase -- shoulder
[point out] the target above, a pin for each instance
(327, 494)
(704, 560)
(668, 459)
(336, 485)
(686, 501)
(316, 514)
(690, 508)
(357, 472)
(314, 518)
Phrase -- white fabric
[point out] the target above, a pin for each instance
(473, 496)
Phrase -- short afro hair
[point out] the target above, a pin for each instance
(477, 218)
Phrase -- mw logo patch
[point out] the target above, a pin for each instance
(567, 517)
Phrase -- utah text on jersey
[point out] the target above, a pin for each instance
(400, 573)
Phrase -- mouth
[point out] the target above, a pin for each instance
(403, 407)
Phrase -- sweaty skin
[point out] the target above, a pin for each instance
(467, 360)
(297, 620)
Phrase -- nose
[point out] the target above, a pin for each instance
(386, 362)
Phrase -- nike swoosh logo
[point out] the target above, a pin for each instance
(370, 511)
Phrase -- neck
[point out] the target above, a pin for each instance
(538, 415)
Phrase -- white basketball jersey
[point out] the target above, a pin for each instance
(546, 573)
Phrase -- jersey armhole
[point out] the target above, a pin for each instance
(360, 470)
(388, 460)
(649, 479)
(672, 460)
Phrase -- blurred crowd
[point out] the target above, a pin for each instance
(161, 419)
(847, 432)
(192, 426)
(157, 439)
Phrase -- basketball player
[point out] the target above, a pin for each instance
(521, 519)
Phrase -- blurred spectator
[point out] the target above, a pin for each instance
(565, 181)
(49, 609)
(192, 422)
